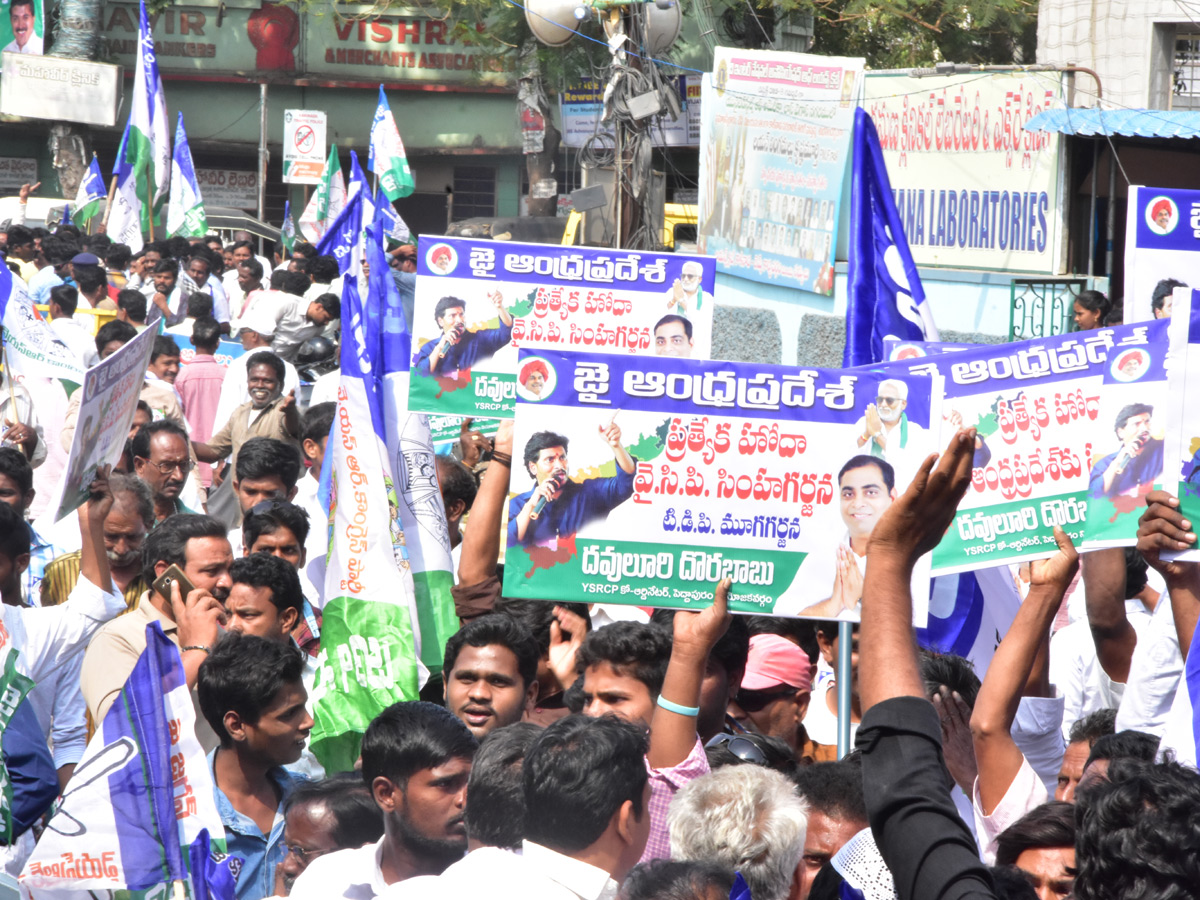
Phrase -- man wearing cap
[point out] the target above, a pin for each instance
(257, 329)
(775, 691)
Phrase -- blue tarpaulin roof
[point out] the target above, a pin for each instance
(1150, 123)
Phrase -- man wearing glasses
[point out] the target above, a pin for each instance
(774, 695)
(686, 294)
(885, 430)
(160, 458)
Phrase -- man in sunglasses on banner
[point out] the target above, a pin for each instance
(884, 430)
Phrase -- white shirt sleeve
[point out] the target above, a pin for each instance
(1024, 794)
(69, 732)
(1154, 674)
(51, 635)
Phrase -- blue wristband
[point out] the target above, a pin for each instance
(666, 704)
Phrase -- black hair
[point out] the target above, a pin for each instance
(1094, 301)
(14, 465)
(578, 773)
(166, 265)
(731, 650)
(276, 514)
(199, 304)
(145, 434)
(168, 542)
(323, 269)
(15, 539)
(1136, 833)
(18, 235)
(164, 345)
(766, 751)
(202, 253)
(178, 246)
(496, 810)
(331, 304)
(537, 616)
(97, 244)
(1136, 573)
(249, 245)
(262, 570)
(277, 279)
(118, 256)
(834, 789)
(317, 421)
(1010, 883)
(540, 441)
(496, 629)
(862, 461)
(799, 631)
(456, 481)
(669, 879)
(303, 248)
(1128, 412)
(410, 736)
(667, 319)
(1124, 745)
(635, 649)
(65, 297)
(134, 304)
(58, 249)
(949, 669)
(262, 457)
(243, 673)
(90, 279)
(1163, 290)
(295, 283)
(446, 303)
(1093, 726)
(267, 358)
(206, 333)
(253, 265)
(357, 821)
(1049, 825)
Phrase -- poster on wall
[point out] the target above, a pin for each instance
(1162, 249)
(775, 135)
(973, 188)
(22, 27)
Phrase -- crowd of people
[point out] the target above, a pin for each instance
(571, 749)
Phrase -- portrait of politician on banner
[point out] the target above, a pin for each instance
(478, 302)
(1162, 249)
(644, 479)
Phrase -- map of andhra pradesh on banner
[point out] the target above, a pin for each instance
(1069, 432)
(973, 188)
(775, 137)
(1162, 249)
(646, 480)
(478, 301)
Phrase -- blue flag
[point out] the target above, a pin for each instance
(342, 239)
(885, 297)
(91, 192)
(185, 214)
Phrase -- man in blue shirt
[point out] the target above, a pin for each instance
(458, 348)
(1138, 462)
(252, 696)
(566, 506)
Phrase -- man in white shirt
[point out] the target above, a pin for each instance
(64, 300)
(239, 283)
(314, 437)
(194, 278)
(423, 805)
(587, 820)
(297, 320)
(24, 24)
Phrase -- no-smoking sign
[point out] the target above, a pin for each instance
(303, 146)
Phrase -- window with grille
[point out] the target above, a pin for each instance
(1185, 87)
(474, 192)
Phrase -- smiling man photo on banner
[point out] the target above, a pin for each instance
(459, 348)
(1137, 462)
(885, 429)
(673, 337)
(556, 506)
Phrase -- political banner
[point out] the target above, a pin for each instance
(227, 351)
(974, 189)
(446, 430)
(1064, 437)
(22, 27)
(110, 395)
(31, 348)
(775, 136)
(1182, 476)
(646, 480)
(478, 301)
(896, 350)
(1162, 249)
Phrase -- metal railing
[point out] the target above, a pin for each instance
(1042, 307)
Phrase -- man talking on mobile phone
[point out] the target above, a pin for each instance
(191, 620)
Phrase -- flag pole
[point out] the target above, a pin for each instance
(12, 391)
(150, 206)
(112, 192)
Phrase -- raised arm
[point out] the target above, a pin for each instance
(481, 541)
(1104, 594)
(998, 757)
(1163, 527)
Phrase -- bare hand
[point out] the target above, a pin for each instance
(472, 444)
(546, 490)
(19, 433)
(199, 619)
(956, 420)
(852, 581)
(874, 423)
(611, 433)
(958, 748)
(100, 496)
(497, 299)
(26, 190)
(697, 632)
(503, 442)
(452, 334)
(567, 631)
(914, 524)
(1057, 572)
(289, 400)
(1163, 527)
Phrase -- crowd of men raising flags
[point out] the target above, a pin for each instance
(565, 750)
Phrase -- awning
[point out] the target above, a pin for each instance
(1149, 123)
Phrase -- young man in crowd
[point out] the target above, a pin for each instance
(160, 391)
(264, 471)
(252, 697)
(836, 813)
(416, 759)
(269, 414)
(297, 319)
(17, 492)
(199, 386)
(490, 673)
(131, 308)
(314, 438)
(62, 302)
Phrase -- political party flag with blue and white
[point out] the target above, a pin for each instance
(139, 813)
(185, 209)
(969, 613)
(884, 294)
(387, 158)
(369, 654)
(91, 192)
(31, 348)
(422, 513)
(394, 227)
(287, 233)
(344, 234)
(327, 201)
(13, 687)
(145, 151)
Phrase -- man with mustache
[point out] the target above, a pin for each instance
(198, 545)
(416, 759)
(24, 29)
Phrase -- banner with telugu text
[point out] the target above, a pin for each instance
(1162, 248)
(478, 301)
(663, 476)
